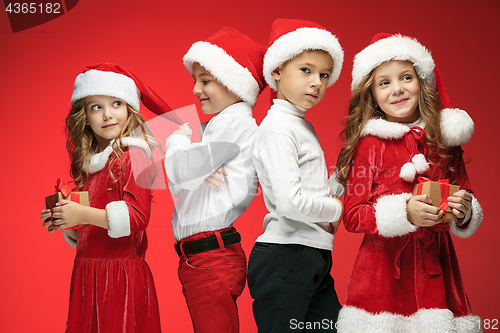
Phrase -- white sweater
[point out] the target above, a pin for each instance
(294, 178)
(228, 141)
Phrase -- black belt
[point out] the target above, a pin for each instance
(207, 244)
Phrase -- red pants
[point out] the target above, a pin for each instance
(211, 283)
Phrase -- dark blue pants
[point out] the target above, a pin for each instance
(292, 288)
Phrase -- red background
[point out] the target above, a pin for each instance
(38, 67)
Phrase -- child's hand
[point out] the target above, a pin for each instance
(421, 212)
(216, 177)
(460, 203)
(45, 216)
(68, 214)
(182, 131)
(335, 226)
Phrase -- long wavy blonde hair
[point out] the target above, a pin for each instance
(82, 144)
(363, 107)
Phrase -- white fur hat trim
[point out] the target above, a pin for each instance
(104, 83)
(395, 47)
(290, 45)
(224, 68)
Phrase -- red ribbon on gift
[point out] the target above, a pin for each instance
(62, 187)
(65, 190)
(444, 185)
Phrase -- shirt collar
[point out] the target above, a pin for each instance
(240, 107)
(289, 108)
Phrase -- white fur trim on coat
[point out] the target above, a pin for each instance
(225, 69)
(355, 320)
(384, 129)
(391, 215)
(99, 160)
(457, 127)
(118, 219)
(70, 240)
(396, 47)
(104, 83)
(290, 45)
(475, 221)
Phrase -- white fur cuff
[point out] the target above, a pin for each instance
(475, 221)
(70, 240)
(118, 219)
(391, 215)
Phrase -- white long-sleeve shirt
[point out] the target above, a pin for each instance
(227, 141)
(294, 178)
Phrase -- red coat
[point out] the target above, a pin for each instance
(403, 274)
(112, 288)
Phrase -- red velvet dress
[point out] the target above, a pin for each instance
(405, 278)
(112, 288)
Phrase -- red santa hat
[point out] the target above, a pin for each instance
(116, 81)
(290, 37)
(456, 125)
(234, 59)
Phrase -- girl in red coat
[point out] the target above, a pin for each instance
(112, 288)
(400, 126)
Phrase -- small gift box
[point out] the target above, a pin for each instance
(438, 192)
(63, 191)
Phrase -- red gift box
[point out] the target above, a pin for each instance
(438, 192)
(63, 191)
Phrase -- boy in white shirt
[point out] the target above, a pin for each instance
(289, 267)
(215, 180)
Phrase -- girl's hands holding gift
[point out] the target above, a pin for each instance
(68, 214)
(460, 203)
(421, 213)
(47, 223)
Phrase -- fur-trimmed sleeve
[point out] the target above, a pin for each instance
(131, 214)
(388, 215)
(475, 215)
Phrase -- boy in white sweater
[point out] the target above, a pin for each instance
(289, 267)
(214, 180)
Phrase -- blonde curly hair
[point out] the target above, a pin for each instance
(363, 107)
(81, 142)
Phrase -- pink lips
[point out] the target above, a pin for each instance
(400, 101)
(312, 96)
(109, 125)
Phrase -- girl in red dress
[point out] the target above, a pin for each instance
(112, 288)
(406, 277)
